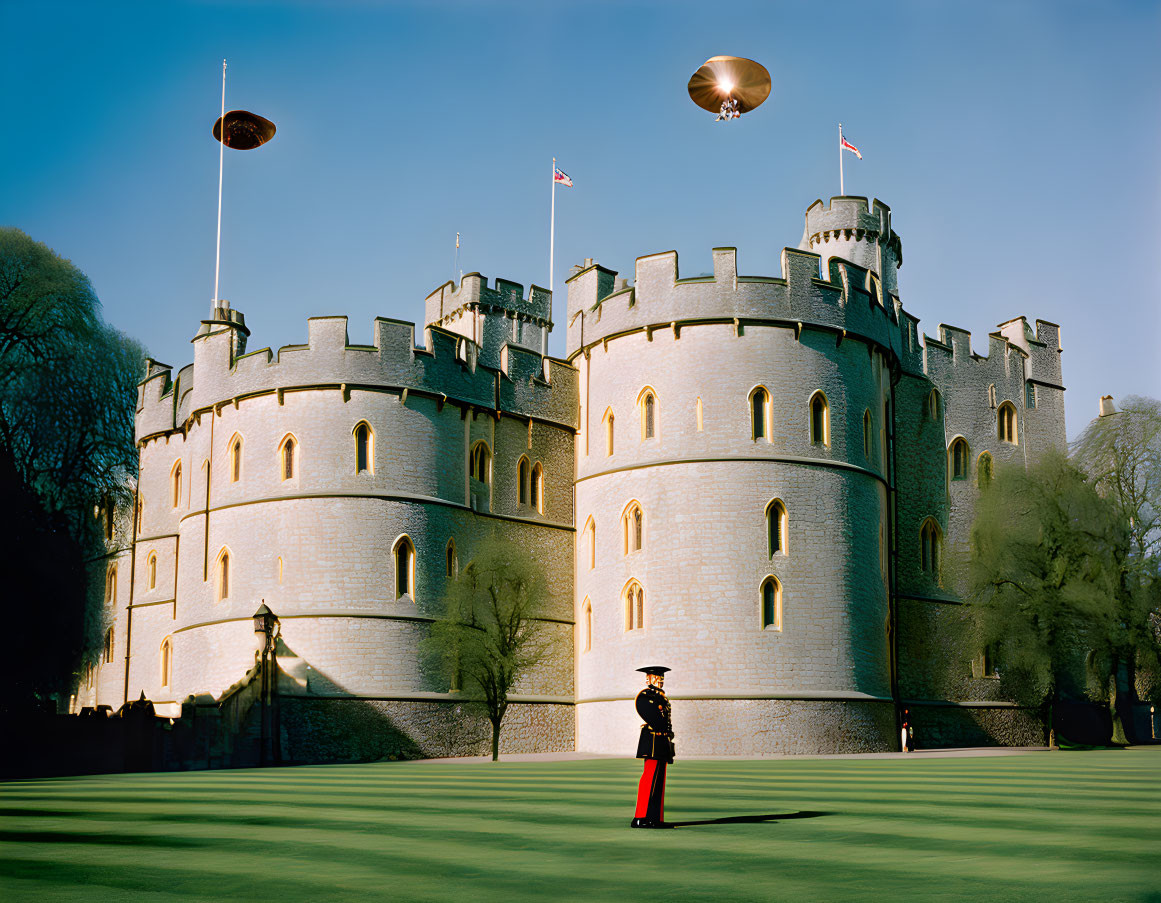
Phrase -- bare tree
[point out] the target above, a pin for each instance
(490, 634)
(1121, 453)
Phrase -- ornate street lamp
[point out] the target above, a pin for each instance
(266, 625)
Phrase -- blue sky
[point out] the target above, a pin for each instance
(1016, 142)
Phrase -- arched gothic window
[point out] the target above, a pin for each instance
(930, 540)
(450, 560)
(648, 404)
(222, 579)
(590, 533)
(235, 459)
(140, 522)
(819, 419)
(107, 650)
(537, 495)
(634, 599)
(958, 455)
(777, 528)
(481, 462)
(175, 484)
(364, 448)
(934, 404)
(111, 585)
(1006, 422)
(608, 422)
(288, 457)
(404, 554)
(166, 661)
(867, 434)
(151, 569)
(633, 525)
(760, 414)
(771, 604)
(587, 616)
(523, 478)
(984, 470)
(700, 425)
(109, 514)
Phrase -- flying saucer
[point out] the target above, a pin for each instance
(729, 86)
(244, 130)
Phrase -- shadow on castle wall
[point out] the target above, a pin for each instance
(315, 724)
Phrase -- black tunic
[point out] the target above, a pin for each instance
(656, 740)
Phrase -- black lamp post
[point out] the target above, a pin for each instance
(265, 625)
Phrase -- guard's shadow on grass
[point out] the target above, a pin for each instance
(748, 819)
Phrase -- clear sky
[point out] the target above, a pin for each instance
(1017, 144)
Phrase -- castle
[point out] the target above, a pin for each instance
(752, 480)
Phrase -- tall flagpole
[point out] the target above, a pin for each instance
(221, 161)
(552, 230)
(551, 257)
(841, 191)
(456, 262)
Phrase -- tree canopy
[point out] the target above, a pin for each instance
(489, 636)
(67, 402)
(1042, 576)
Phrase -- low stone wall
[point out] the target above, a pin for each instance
(338, 730)
(745, 727)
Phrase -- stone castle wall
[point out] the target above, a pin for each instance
(318, 548)
(864, 625)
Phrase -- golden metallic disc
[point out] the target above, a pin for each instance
(244, 130)
(723, 77)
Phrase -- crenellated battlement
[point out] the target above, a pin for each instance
(473, 291)
(447, 366)
(954, 367)
(492, 317)
(850, 299)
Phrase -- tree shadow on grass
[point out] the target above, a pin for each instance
(748, 819)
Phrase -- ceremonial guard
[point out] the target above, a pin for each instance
(655, 747)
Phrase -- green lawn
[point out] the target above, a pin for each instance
(1041, 826)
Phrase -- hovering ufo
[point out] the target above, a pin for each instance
(729, 86)
(244, 130)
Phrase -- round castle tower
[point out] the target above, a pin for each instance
(731, 494)
(849, 230)
(342, 485)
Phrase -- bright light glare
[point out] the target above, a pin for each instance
(726, 87)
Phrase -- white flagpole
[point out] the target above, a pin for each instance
(551, 254)
(456, 263)
(221, 161)
(552, 230)
(841, 191)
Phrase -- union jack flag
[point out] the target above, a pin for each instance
(846, 145)
(562, 177)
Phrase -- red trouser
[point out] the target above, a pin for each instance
(651, 792)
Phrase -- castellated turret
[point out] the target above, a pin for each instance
(492, 317)
(762, 496)
(850, 230)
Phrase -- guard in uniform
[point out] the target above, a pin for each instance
(655, 747)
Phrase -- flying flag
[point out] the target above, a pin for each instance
(846, 145)
(561, 177)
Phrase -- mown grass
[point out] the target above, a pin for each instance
(1053, 825)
